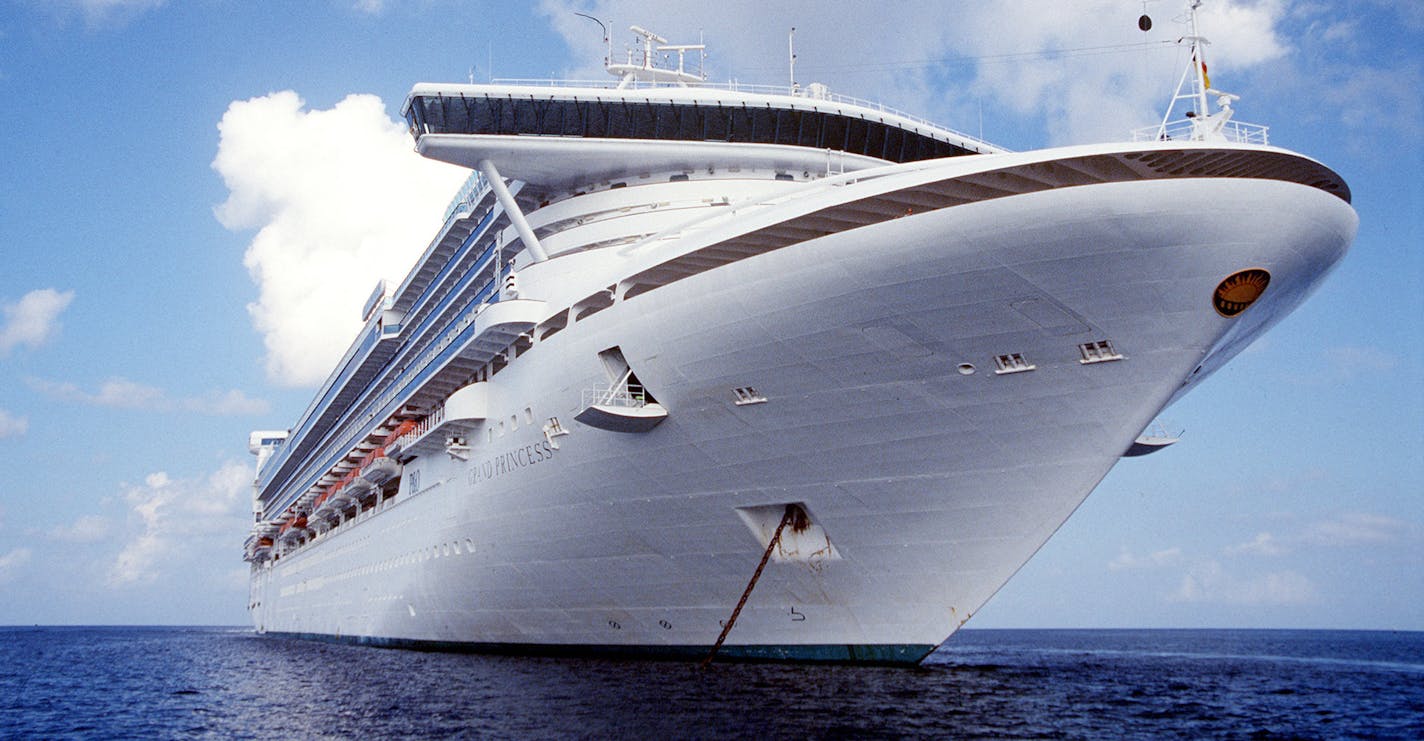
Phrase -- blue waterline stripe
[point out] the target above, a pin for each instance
(889, 654)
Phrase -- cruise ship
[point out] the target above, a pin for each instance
(765, 373)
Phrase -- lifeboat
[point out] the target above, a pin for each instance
(380, 470)
(261, 550)
(341, 487)
(330, 503)
(295, 529)
(259, 545)
(359, 488)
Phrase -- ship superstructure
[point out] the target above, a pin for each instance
(668, 329)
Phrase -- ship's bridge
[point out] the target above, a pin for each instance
(567, 134)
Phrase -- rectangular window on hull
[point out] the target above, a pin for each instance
(1012, 363)
(1097, 352)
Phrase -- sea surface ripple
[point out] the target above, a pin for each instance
(127, 682)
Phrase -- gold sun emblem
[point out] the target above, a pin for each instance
(1240, 290)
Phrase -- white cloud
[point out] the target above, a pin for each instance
(121, 393)
(225, 404)
(1125, 559)
(86, 529)
(102, 13)
(339, 200)
(115, 392)
(175, 516)
(12, 425)
(1355, 528)
(32, 320)
(1357, 93)
(12, 562)
(1264, 544)
(1209, 582)
(992, 51)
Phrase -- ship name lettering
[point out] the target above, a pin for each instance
(512, 460)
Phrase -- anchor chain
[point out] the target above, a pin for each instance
(791, 512)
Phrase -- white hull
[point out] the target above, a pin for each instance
(933, 486)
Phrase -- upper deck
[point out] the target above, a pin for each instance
(559, 133)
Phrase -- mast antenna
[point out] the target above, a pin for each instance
(1194, 89)
(791, 50)
(607, 40)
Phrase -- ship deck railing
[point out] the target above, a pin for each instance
(626, 396)
(469, 193)
(422, 428)
(374, 410)
(1188, 129)
(417, 372)
(339, 381)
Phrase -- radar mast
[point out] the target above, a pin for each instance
(642, 65)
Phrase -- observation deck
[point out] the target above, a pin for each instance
(569, 133)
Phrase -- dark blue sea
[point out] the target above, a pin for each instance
(126, 682)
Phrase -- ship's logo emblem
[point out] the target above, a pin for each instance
(1240, 290)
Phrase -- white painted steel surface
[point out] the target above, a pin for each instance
(934, 485)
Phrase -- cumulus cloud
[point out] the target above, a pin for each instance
(1356, 528)
(121, 393)
(11, 563)
(339, 200)
(86, 529)
(12, 425)
(1351, 76)
(1209, 582)
(1264, 544)
(1105, 77)
(32, 320)
(170, 517)
(1126, 560)
(225, 404)
(1343, 530)
(102, 13)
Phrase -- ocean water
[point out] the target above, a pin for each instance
(125, 682)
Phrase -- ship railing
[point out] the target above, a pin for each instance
(470, 192)
(809, 92)
(1189, 129)
(422, 428)
(474, 187)
(627, 396)
(365, 341)
(487, 294)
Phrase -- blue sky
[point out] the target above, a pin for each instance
(170, 285)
